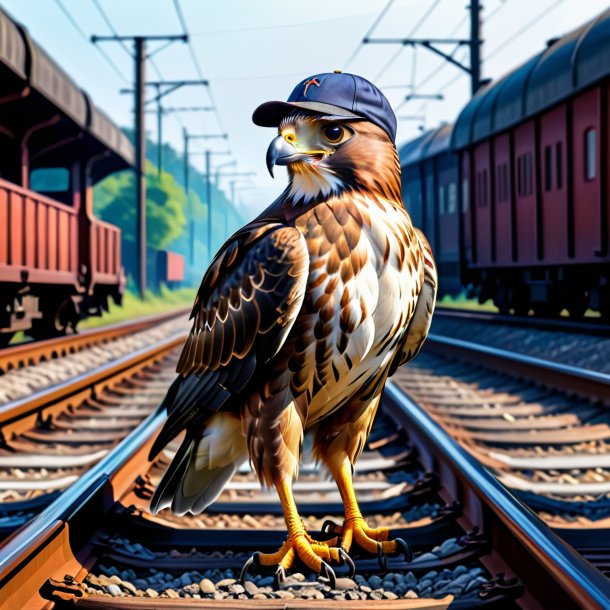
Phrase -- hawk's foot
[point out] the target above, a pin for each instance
(316, 555)
(372, 540)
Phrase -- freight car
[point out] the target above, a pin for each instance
(531, 157)
(58, 263)
(165, 268)
(430, 183)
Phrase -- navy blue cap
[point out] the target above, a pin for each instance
(335, 94)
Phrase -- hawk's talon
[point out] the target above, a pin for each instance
(327, 572)
(382, 558)
(254, 559)
(402, 548)
(330, 527)
(299, 546)
(280, 576)
(346, 559)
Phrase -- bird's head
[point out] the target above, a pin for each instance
(329, 149)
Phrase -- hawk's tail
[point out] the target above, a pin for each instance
(202, 467)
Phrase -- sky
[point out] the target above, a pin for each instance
(252, 51)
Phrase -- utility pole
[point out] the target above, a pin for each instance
(172, 86)
(219, 167)
(187, 137)
(432, 44)
(140, 78)
(208, 185)
(161, 93)
(139, 57)
(232, 175)
(161, 112)
(475, 46)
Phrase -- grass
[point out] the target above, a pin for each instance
(462, 302)
(135, 307)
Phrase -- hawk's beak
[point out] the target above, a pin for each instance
(281, 152)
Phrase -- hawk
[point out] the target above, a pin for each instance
(300, 319)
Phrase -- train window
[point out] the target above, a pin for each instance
(590, 154)
(441, 200)
(559, 165)
(548, 168)
(502, 182)
(482, 189)
(525, 183)
(465, 195)
(50, 180)
(451, 198)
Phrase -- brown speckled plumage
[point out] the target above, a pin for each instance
(299, 320)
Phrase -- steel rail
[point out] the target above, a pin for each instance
(589, 383)
(33, 352)
(81, 386)
(558, 564)
(581, 326)
(43, 548)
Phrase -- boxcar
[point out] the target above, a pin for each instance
(58, 263)
(430, 195)
(534, 150)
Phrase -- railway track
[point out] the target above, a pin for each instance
(51, 437)
(475, 544)
(30, 353)
(593, 326)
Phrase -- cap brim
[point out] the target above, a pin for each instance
(270, 114)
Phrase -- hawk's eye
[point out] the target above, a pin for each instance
(333, 133)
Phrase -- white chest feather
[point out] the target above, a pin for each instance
(369, 306)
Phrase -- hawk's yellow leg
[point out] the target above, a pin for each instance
(314, 554)
(355, 528)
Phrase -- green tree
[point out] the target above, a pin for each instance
(114, 202)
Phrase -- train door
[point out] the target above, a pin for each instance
(503, 217)
(465, 197)
(447, 196)
(482, 205)
(553, 165)
(586, 176)
(525, 193)
(412, 194)
(430, 203)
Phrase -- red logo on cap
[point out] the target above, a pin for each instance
(311, 81)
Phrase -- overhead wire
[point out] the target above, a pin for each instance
(114, 32)
(106, 19)
(412, 33)
(196, 63)
(369, 32)
(86, 38)
(443, 65)
(524, 28)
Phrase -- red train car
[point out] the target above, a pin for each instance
(169, 268)
(530, 154)
(58, 263)
(430, 194)
(535, 147)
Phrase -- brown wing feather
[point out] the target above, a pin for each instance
(245, 307)
(419, 325)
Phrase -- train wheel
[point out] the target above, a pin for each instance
(520, 301)
(547, 310)
(5, 339)
(577, 304)
(58, 318)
